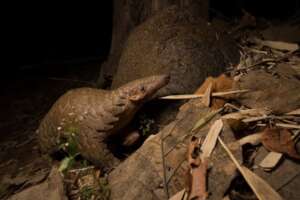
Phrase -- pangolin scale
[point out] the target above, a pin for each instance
(93, 115)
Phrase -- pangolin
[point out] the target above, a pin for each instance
(93, 115)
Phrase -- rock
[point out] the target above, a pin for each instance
(51, 189)
(178, 42)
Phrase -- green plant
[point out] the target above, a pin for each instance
(86, 193)
(146, 125)
(69, 144)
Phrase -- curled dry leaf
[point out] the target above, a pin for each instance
(197, 171)
(213, 85)
(280, 140)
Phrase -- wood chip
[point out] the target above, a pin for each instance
(211, 139)
(259, 186)
(194, 96)
(207, 95)
(270, 161)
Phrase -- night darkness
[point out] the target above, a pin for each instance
(52, 33)
(40, 34)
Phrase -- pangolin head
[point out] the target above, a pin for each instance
(144, 89)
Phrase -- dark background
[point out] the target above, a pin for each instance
(50, 33)
(38, 34)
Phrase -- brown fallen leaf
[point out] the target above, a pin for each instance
(197, 172)
(279, 140)
(219, 84)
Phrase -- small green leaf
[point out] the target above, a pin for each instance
(66, 163)
(204, 120)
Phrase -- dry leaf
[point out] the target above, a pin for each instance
(270, 161)
(261, 188)
(211, 139)
(219, 84)
(198, 182)
(281, 141)
(207, 95)
(197, 171)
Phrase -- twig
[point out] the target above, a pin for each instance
(81, 169)
(194, 96)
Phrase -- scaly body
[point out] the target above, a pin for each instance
(94, 115)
